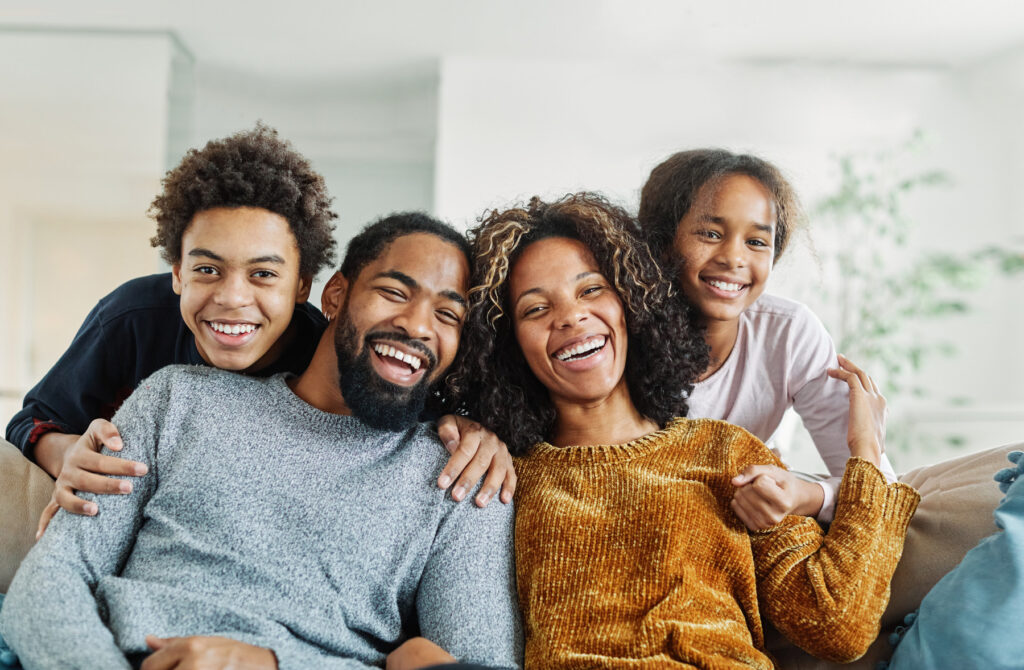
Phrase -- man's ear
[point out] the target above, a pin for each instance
(333, 296)
(305, 286)
(176, 278)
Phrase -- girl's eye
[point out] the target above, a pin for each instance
(710, 234)
(758, 243)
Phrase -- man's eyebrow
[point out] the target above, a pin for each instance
(200, 252)
(454, 297)
(398, 275)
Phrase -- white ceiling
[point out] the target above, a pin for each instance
(319, 39)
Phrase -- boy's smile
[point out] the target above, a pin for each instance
(239, 284)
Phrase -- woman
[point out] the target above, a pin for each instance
(629, 548)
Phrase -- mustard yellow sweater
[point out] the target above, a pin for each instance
(628, 556)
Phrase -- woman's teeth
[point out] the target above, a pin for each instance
(585, 347)
(235, 329)
(409, 359)
(724, 285)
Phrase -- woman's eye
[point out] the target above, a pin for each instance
(591, 290)
(533, 311)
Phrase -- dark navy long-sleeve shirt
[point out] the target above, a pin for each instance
(129, 335)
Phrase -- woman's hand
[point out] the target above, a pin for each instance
(206, 653)
(866, 434)
(475, 450)
(85, 469)
(418, 652)
(766, 494)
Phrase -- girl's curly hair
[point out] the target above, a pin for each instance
(673, 185)
(253, 168)
(492, 378)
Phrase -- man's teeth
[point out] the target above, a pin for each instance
(232, 329)
(724, 285)
(385, 350)
(581, 348)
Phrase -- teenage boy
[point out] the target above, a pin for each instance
(245, 224)
(272, 518)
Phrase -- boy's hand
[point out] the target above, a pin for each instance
(765, 494)
(866, 434)
(474, 450)
(206, 653)
(85, 469)
(418, 652)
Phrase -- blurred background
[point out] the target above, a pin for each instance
(899, 122)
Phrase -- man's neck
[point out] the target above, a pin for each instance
(318, 385)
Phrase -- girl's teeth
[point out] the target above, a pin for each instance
(725, 286)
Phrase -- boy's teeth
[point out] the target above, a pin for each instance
(233, 329)
(724, 285)
(387, 350)
(582, 347)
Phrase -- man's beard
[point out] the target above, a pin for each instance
(376, 401)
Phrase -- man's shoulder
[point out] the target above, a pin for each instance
(141, 295)
(202, 379)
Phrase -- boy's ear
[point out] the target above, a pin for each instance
(334, 295)
(176, 278)
(305, 286)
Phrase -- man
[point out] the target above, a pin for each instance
(295, 516)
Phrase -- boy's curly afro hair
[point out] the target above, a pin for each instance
(253, 168)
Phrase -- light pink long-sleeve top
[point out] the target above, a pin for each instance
(780, 360)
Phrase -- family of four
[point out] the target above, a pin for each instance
(295, 516)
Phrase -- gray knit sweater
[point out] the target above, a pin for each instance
(268, 521)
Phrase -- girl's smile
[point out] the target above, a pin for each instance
(726, 242)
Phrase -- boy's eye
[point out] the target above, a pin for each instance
(206, 270)
(263, 274)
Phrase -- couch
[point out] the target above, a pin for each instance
(957, 500)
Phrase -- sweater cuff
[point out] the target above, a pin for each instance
(865, 486)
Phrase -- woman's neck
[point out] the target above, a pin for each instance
(611, 420)
(721, 338)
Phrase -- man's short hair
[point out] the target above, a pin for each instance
(371, 242)
(252, 168)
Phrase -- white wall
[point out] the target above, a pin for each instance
(510, 129)
(82, 142)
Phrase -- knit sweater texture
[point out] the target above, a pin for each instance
(629, 556)
(268, 521)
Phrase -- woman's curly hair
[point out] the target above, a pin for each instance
(253, 168)
(492, 379)
(673, 185)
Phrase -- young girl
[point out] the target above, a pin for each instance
(717, 222)
(627, 552)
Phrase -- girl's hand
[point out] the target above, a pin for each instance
(474, 450)
(866, 434)
(766, 494)
(85, 469)
(418, 652)
(206, 653)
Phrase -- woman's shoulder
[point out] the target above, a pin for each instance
(713, 437)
